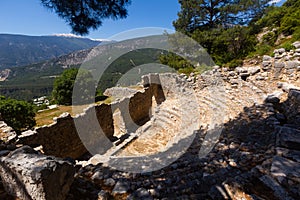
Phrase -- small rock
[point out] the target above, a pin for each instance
(232, 164)
(231, 73)
(281, 50)
(296, 44)
(224, 69)
(240, 70)
(279, 85)
(260, 78)
(272, 99)
(216, 67)
(279, 65)
(109, 182)
(102, 195)
(97, 176)
(254, 70)
(297, 54)
(267, 58)
(292, 64)
(121, 188)
(142, 193)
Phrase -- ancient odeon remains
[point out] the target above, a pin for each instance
(61, 138)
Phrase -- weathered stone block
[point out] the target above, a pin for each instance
(292, 64)
(31, 176)
(279, 65)
(272, 99)
(266, 65)
(279, 192)
(120, 92)
(58, 139)
(296, 44)
(267, 58)
(284, 168)
(288, 137)
(281, 50)
(254, 70)
(287, 153)
(6, 132)
(120, 188)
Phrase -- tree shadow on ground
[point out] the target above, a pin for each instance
(234, 167)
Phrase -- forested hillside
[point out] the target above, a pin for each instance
(19, 50)
(231, 32)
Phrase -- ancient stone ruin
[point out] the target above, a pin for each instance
(224, 134)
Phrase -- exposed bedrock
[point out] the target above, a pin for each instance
(31, 176)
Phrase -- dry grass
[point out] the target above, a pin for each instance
(46, 117)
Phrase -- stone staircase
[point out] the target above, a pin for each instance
(256, 157)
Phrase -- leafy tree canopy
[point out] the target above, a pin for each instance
(64, 84)
(203, 14)
(285, 18)
(83, 15)
(222, 27)
(17, 114)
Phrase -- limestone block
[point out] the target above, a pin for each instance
(288, 137)
(284, 168)
(296, 44)
(267, 58)
(31, 176)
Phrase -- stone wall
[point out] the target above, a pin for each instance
(7, 133)
(292, 106)
(58, 139)
(61, 138)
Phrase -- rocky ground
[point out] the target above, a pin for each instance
(256, 108)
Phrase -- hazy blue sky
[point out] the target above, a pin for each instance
(29, 17)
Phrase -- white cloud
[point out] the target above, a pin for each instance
(66, 35)
(275, 1)
(77, 36)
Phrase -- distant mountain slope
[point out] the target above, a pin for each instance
(34, 80)
(19, 50)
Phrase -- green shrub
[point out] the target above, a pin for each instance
(186, 70)
(296, 34)
(202, 68)
(234, 63)
(17, 114)
(270, 38)
(64, 84)
(287, 46)
(263, 49)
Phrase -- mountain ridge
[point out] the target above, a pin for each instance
(20, 50)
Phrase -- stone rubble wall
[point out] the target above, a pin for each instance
(61, 138)
(7, 133)
(284, 66)
(257, 155)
